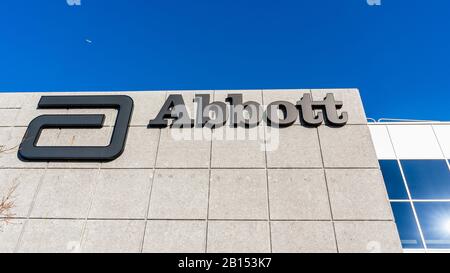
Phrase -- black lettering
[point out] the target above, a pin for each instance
(237, 108)
(175, 109)
(289, 112)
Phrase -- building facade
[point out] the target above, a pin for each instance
(305, 179)
(414, 162)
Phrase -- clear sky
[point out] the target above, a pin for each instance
(397, 54)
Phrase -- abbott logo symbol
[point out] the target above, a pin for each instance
(29, 151)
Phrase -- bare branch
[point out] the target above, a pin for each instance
(7, 204)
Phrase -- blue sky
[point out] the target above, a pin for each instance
(397, 54)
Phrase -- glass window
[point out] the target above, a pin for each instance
(393, 179)
(427, 179)
(406, 225)
(434, 218)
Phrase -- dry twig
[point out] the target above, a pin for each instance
(6, 205)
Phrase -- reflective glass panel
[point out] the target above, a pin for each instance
(434, 218)
(406, 225)
(393, 179)
(427, 179)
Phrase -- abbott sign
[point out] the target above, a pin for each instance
(173, 113)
